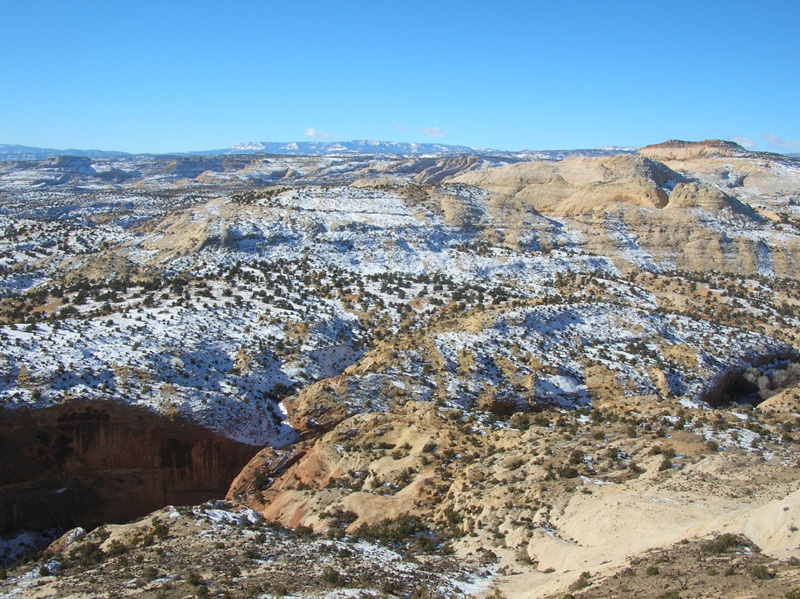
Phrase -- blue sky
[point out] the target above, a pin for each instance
(145, 76)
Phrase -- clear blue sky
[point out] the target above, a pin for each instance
(159, 76)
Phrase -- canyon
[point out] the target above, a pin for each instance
(546, 365)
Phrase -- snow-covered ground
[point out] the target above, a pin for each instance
(216, 309)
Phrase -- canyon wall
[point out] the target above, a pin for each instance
(87, 463)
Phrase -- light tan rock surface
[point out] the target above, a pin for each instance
(578, 185)
(692, 206)
(511, 488)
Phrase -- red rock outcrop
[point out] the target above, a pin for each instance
(260, 472)
(87, 463)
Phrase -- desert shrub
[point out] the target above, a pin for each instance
(652, 571)
(576, 457)
(150, 573)
(405, 476)
(581, 583)
(667, 452)
(761, 572)
(515, 464)
(402, 530)
(391, 587)
(339, 518)
(568, 472)
(252, 553)
(724, 542)
(159, 529)
(260, 481)
(115, 549)
(87, 555)
(303, 531)
(331, 577)
(520, 421)
(194, 578)
(452, 517)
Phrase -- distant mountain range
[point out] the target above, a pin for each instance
(321, 148)
(348, 147)
(18, 152)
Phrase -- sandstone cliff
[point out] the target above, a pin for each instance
(89, 463)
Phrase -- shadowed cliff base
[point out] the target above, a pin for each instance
(88, 463)
(754, 381)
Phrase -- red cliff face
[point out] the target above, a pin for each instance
(88, 463)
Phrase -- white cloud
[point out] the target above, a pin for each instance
(745, 142)
(432, 131)
(400, 128)
(777, 142)
(317, 134)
